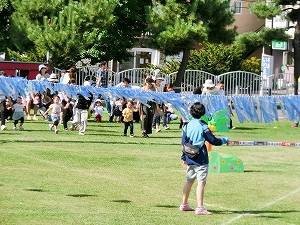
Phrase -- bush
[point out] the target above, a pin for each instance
(215, 58)
(251, 65)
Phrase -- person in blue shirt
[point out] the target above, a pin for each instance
(102, 75)
(194, 134)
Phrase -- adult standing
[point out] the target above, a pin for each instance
(42, 75)
(33, 99)
(69, 76)
(209, 88)
(102, 75)
(81, 113)
(147, 113)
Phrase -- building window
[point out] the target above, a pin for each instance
(236, 7)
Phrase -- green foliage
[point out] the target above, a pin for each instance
(252, 64)
(216, 17)
(71, 30)
(168, 67)
(251, 41)
(32, 55)
(290, 10)
(180, 26)
(5, 13)
(174, 27)
(263, 10)
(215, 58)
(3, 4)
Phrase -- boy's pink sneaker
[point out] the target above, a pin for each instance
(185, 207)
(201, 211)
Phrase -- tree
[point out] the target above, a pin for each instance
(5, 13)
(71, 30)
(215, 58)
(179, 26)
(291, 9)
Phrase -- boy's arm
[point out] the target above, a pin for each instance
(212, 139)
(183, 138)
(50, 107)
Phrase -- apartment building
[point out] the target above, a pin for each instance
(245, 21)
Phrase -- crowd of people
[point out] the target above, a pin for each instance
(61, 109)
(57, 108)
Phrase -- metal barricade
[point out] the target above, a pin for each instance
(279, 84)
(136, 76)
(241, 82)
(192, 79)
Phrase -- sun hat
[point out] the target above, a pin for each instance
(158, 78)
(208, 84)
(42, 66)
(53, 78)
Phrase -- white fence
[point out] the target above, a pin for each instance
(236, 82)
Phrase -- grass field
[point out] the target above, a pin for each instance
(105, 178)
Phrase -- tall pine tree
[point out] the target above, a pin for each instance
(73, 29)
(180, 26)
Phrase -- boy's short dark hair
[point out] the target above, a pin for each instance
(126, 80)
(197, 110)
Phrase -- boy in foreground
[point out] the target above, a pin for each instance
(195, 157)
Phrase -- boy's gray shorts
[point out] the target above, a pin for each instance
(199, 172)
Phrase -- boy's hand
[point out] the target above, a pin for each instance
(225, 140)
(183, 164)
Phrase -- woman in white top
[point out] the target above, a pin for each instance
(42, 75)
(209, 88)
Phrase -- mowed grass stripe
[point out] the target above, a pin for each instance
(68, 179)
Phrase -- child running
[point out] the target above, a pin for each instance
(18, 114)
(98, 109)
(128, 118)
(195, 157)
(56, 113)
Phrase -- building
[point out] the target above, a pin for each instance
(245, 21)
(22, 69)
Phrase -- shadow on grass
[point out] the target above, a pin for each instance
(122, 201)
(271, 217)
(253, 212)
(253, 171)
(12, 133)
(80, 195)
(167, 206)
(85, 142)
(35, 190)
(248, 128)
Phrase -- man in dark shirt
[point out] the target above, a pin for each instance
(81, 113)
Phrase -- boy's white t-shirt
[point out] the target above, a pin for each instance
(98, 110)
(56, 109)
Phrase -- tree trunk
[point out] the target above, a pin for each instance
(181, 71)
(296, 56)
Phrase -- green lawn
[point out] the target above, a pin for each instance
(105, 178)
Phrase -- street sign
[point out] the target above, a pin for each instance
(279, 45)
(266, 65)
